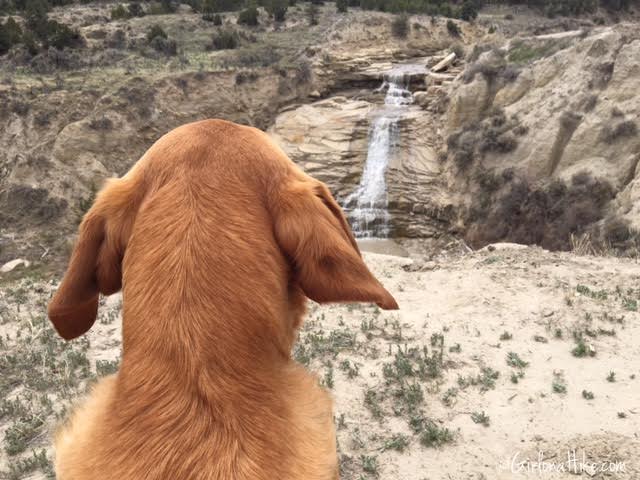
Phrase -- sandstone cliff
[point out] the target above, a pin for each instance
(569, 105)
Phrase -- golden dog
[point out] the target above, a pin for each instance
(216, 239)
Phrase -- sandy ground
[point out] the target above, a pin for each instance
(428, 392)
(472, 300)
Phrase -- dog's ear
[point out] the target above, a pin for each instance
(96, 261)
(313, 233)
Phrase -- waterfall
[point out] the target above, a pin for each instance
(366, 208)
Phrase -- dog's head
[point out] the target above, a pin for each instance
(308, 226)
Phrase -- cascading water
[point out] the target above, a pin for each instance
(367, 206)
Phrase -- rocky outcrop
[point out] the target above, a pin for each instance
(366, 68)
(469, 104)
(60, 147)
(576, 101)
(419, 202)
(329, 139)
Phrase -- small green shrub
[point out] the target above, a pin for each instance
(626, 128)
(506, 336)
(246, 77)
(249, 16)
(61, 36)
(277, 9)
(160, 41)
(10, 35)
(372, 401)
(312, 14)
(106, 367)
(475, 141)
(523, 52)
(559, 383)
(136, 10)
(119, 12)
(167, 46)
(156, 31)
(514, 360)
(400, 26)
(163, 7)
(26, 465)
(469, 10)
(20, 433)
(481, 418)
(397, 442)
(453, 28)
(435, 436)
(492, 71)
(582, 350)
(369, 464)
(225, 39)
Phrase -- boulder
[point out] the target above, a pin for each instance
(421, 98)
(469, 103)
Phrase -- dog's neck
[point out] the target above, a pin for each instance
(195, 331)
(192, 335)
(222, 365)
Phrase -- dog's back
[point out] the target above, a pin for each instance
(215, 238)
